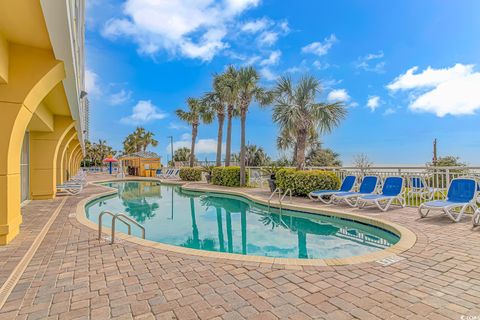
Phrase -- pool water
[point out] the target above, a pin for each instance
(215, 222)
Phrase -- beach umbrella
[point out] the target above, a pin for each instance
(110, 160)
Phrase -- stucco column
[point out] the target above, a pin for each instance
(61, 154)
(32, 74)
(44, 148)
(74, 145)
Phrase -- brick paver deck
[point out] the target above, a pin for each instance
(74, 276)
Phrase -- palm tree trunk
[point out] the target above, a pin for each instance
(221, 120)
(301, 146)
(192, 148)
(242, 147)
(229, 136)
(295, 152)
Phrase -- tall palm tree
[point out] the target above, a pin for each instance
(139, 140)
(296, 110)
(147, 140)
(216, 102)
(230, 87)
(197, 111)
(248, 90)
(286, 140)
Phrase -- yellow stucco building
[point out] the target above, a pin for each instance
(43, 104)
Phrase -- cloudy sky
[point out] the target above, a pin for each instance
(409, 71)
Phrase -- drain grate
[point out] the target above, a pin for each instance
(390, 260)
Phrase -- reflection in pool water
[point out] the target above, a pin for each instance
(231, 224)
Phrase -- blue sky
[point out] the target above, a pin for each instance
(409, 71)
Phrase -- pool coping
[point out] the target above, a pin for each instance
(407, 237)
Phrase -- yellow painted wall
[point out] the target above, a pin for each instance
(61, 154)
(44, 148)
(32, 74)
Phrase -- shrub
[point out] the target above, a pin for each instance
(227, 176)
(303, 182)
(190, 174)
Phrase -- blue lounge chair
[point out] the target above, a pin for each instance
(461, 195)
(368, 186)
(419, 188)
(322, 195)
(392, 190)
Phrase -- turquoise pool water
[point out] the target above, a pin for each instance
(223, 223)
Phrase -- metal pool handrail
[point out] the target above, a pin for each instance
(121, 217)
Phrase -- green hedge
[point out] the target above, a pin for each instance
(303, 182)
(227, 176)
(190, 174)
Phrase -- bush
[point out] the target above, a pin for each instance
(190, 174)
(227, 176)
(303, 182)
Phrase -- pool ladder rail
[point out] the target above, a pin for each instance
(281, 196)
(126, 220)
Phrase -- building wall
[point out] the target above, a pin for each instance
(41, 94)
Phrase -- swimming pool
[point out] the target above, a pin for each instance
(231, 224)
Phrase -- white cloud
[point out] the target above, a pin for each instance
(91, 83)
(177, 126)
(320, 66)
(202, 146)
(144, 111)
(193, 29)
(256, 25)
(320, 48)
(268, 74)
(389, 111)
(272, 59)
(453, 90)
(268, 38)
(371, 62)
(373, 102)
(338, 95)
(120, 97)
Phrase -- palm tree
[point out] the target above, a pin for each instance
(147, 140)
(197, 111)
(286, 140)
(296, 110)
(230, 87)
(216, 102)
(182, 154)
(139, 140)
(248, 89)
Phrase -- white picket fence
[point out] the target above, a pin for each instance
(421, 183)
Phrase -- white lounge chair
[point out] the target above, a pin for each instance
(392, 190)
(325, 196)
(461, 195)
(368, 186)
(476, 218)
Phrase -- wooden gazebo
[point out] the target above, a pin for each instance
(142, 164)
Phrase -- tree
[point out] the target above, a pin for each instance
(197, 111)
(216, 102)
(230, 89)
(96, 152)
(319, 157)
(181, 154)
(254, 156)
(448, 161)
(139, 140)
(362, 162)
(296, 110)
(248, 90)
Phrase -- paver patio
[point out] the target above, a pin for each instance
(74, 276)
